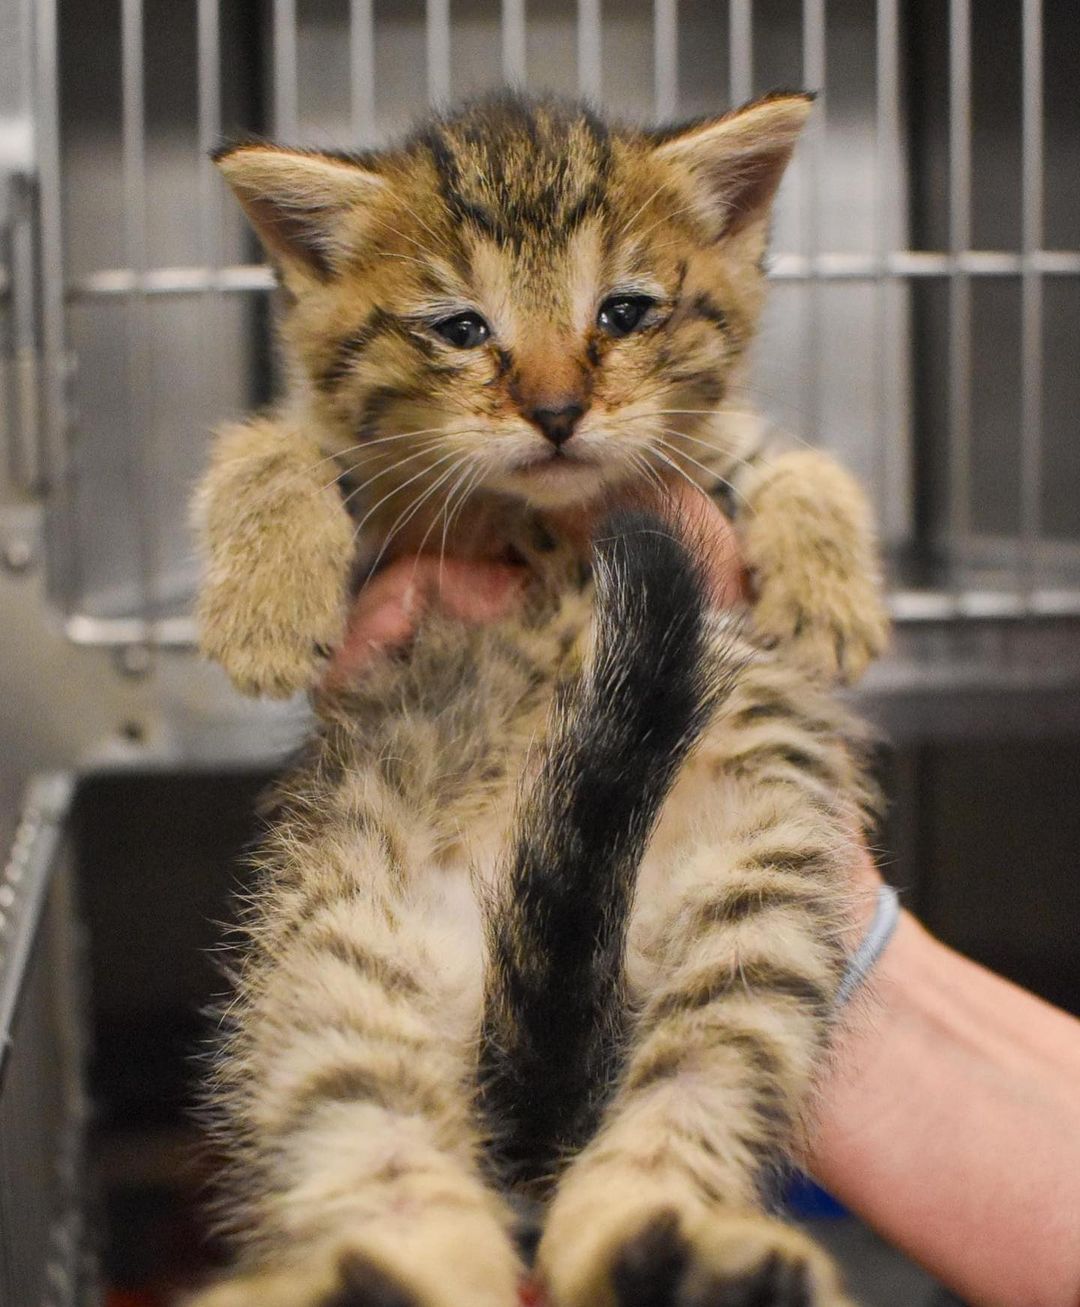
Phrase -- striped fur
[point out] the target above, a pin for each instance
(553, 907)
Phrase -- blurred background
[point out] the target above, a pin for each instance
(924, 323)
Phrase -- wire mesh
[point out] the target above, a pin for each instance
(924, 353)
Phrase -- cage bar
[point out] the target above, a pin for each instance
(133, 133)
(960, 356)
(438, 50)
(362, 71)
(513, 42)
(589, 48)
(666, 58)
(1031, 292)
(813, 35)
(21, 407)
(54, 463)
(740, 50)
(208, 19)
(286, 78)
(828, 266)
(886, 164)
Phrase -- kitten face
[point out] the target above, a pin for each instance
(520, 297)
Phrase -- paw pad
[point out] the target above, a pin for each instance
(660, 1268)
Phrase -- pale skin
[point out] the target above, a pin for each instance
(950, 1120)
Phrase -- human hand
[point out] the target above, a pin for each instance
(387, 611)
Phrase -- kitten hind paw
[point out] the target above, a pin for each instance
(383, 1272)
(719, 1260)
(730, 1262)
(356, 1280)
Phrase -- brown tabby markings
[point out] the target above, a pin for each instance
(345, 1093)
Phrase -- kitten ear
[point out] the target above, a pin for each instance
(299, 203)
(734, 163)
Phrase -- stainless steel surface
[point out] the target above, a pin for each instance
(42, 1107)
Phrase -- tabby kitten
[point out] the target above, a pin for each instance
(554, 908)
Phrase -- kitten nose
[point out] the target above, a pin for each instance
(557, 423)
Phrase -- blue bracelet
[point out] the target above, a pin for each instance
(861, 962)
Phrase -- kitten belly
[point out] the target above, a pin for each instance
(448, 917)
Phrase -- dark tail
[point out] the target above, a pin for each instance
(555, 1003)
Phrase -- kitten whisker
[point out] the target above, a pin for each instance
(666, 217)
(390, 467)
(408, 513)
(435, 520)
(637, 459)
(709, 472)
(400, 203)
(445, 514)
(404, 258)
(397, 490)
(394, 230)
(641, 209)
(470, 487)
(659, 453)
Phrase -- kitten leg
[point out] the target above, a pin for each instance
(277, 542)
(738, 963)
(344, 1097)
(809, 540)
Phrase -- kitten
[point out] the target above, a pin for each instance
(554, 907)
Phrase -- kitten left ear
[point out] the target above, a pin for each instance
(300, 203)
(734, 163)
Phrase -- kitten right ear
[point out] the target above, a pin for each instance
(733, 164)
(299, 202)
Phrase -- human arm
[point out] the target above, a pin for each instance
(950, 1122)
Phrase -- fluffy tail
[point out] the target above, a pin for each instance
(555, 1004)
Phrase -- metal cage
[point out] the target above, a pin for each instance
(927, 253)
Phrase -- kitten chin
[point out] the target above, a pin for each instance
(559, 483)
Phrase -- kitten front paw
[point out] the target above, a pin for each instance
(719, 1259)
(273, 635)
(808, 538)
(277, 544)
(834, 625)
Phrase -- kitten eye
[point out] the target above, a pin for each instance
(622, 314)
(463, 330)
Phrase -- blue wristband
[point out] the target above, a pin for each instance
(882, 928)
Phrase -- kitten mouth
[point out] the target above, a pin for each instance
(557, 460)
(557, 478)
